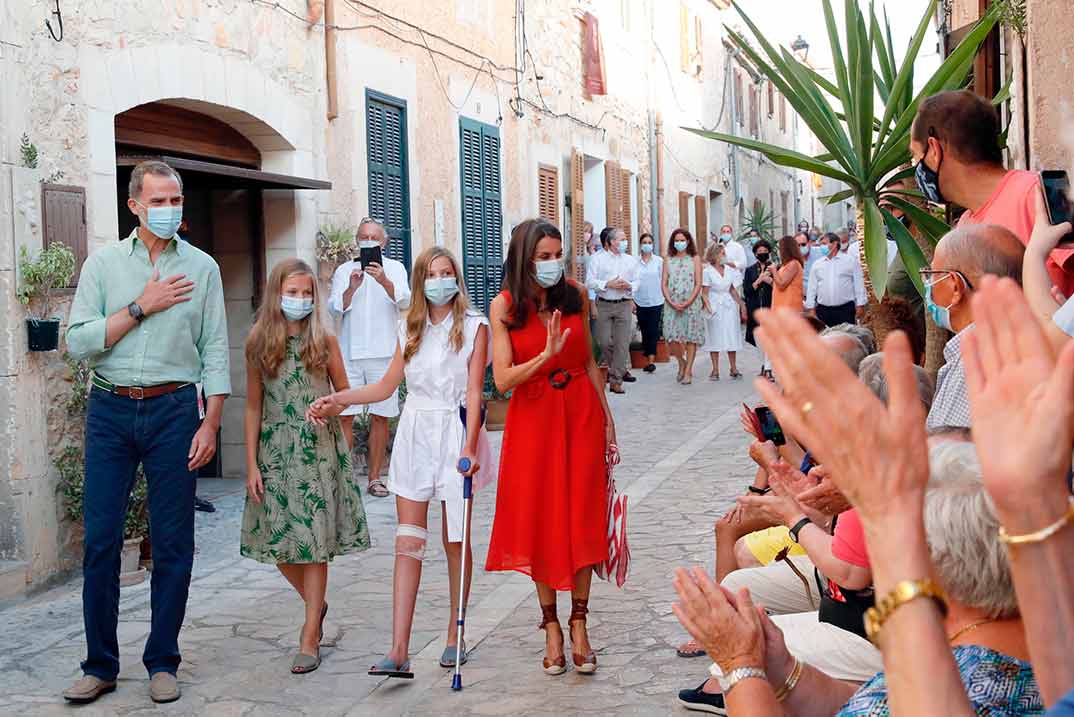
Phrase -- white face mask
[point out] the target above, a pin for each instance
(623, 245)
(548, 273)
(441, 290)
(295, 308)
(368, 244)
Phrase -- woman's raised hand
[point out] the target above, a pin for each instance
(557, 338)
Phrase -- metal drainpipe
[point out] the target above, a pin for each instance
(654, 191)
(734, 148)
(659, 128)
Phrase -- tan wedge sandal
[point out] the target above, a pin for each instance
(583, 664)
(549, 617)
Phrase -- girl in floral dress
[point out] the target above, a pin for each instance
(302, 506)
(684, 324)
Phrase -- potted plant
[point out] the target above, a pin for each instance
(71, 487)
(662, 353)
(335, 245)
(360, 449)
(40, 277)
(638, 359)
(495, 404)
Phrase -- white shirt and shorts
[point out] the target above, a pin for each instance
(367, 329)
(431, 435)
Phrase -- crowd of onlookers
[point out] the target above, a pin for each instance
(905, 548)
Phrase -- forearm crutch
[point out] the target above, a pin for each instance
(460, 620)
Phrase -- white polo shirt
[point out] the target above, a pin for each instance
(367, 328)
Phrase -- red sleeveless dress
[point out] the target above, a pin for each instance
(551, 503)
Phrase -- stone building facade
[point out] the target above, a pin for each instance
(451, 120)
(1032, 49)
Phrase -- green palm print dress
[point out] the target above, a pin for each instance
(312, 509)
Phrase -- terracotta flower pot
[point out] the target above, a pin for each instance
(638, 359)
(662, 353)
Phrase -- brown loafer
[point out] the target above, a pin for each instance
(163, 688)
(617, 388)
(87, 689)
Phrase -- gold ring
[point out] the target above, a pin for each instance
(807, 407)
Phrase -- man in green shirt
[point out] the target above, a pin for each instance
(149, 340)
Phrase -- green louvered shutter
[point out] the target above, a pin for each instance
(389, 188)
(482, 211)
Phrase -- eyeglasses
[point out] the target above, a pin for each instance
(931, 276)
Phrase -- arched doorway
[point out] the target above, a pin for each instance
(223, 215)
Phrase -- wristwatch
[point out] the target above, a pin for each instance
(732, 678)
(798, 528)
(136, 312)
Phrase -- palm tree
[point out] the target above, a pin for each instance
(869, 154)
(759, 220)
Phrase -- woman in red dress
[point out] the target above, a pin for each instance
(551, 507)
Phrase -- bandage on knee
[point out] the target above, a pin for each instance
(410, 541)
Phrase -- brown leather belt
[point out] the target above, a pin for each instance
(138, 393)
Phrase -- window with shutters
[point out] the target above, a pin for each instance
(754, 123)
(738, 99)
(548, 193)
(627, 214)
(784, 205)
(63, 216)
(782, 113)
(613, 195)
(389, 189)
(577, 199)
(701, 222)
(690, 59)
(482, 211)
(684, 210)
(771, 99)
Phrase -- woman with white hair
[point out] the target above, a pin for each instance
(982, 622)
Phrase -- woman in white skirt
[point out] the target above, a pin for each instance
(724, 311)
(443, 351)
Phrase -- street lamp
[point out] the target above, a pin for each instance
(800, 45)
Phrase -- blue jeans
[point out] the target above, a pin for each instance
(122, 433)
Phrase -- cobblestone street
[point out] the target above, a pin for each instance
(683, 462)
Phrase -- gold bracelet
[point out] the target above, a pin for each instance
(792, 681)
(904, 592)
(1042, 534)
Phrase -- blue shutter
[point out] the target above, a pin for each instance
(389, 189)
(482, 211)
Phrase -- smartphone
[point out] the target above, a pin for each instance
(1056, 187)
(371, 255)
(770, 428)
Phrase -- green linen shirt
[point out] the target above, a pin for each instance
(187, 343)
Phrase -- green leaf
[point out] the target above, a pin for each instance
(838, 197)
(932, 228)
(1004, 93)
(912, 257)
(779, 155)
(904, 80)
(951, 73)
(839, 64)
(876, 246)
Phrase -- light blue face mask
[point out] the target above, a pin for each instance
(441, 290)
(823, 249)
(681, 246)
(941, 315)
(548, 273)
(294, 308)
(623, 246)
(162, 221)
(726, 237)
(646, 248)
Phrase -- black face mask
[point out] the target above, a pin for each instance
(928, 181)
(763, 257)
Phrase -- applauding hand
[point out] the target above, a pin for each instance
(727, 626)
(1017, 389)
(883, 470)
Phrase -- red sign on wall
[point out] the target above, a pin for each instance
(593, 58)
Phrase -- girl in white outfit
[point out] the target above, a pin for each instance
(724, 311)
(442, 352)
